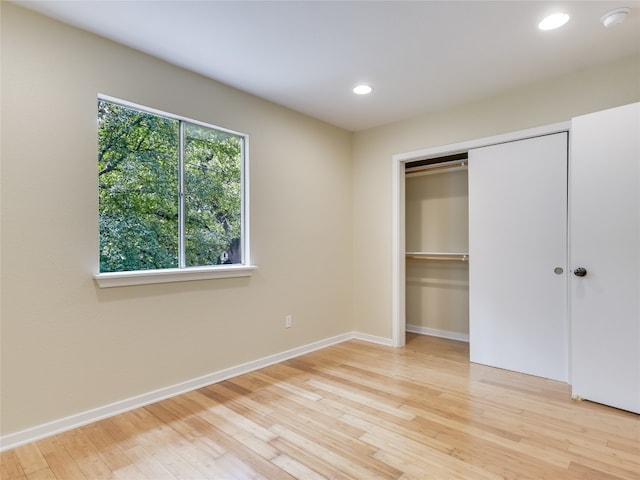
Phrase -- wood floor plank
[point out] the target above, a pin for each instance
(356, 411)
(629, 446)
(328, 437)
(249, 433)
(585, 472)
(471, 430)
(130, 472)
(500, 459)
(45, 474)
(295, 468)
(343, 463)
(83, 453)
(106, 446)
(252, 455)
(282, 402)
(372, 401)
(239, 469)
(197, 448)
(245, 405)
(146, 465)
(59, 460)
(10, 468)
(31, 458)
(309, 459)
(157, 443)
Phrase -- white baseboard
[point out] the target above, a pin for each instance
(372, 339)
(434, 332)
(13, 440)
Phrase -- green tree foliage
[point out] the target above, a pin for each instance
(212, 194)
(139, 192)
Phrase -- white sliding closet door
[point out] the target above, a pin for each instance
(517, 256)
(605, 241)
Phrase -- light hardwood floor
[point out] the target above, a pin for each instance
(353, 411)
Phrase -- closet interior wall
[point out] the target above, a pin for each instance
(437, 284)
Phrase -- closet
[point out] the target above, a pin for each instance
(544, 264)
(437, 273)
(486, 252)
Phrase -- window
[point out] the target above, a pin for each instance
(171, 193)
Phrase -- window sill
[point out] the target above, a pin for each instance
(145, 277)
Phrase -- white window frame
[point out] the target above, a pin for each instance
(183, 273)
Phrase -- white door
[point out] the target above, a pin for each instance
(517, 256)
(605, 241)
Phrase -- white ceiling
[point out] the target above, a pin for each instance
(419, 56)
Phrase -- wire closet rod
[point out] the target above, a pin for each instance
(437, 168)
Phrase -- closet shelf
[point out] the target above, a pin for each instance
(447, 256)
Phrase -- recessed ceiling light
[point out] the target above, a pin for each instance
(553, 21)
(362, 90)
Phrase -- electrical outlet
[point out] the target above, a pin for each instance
(288, 320)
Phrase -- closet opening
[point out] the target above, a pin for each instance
(436, 247)
(447, 243)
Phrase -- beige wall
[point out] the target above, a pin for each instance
(542, 103)
(437, 212)
(68, 346)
